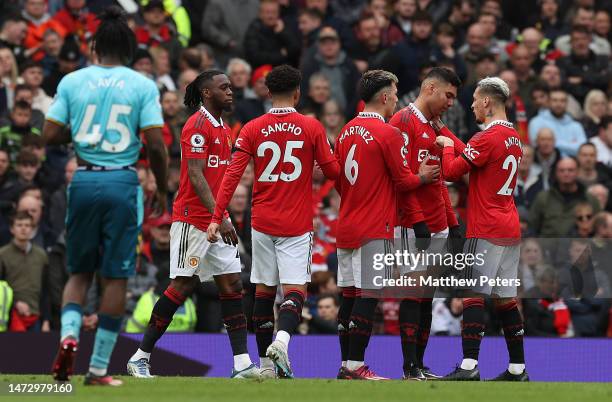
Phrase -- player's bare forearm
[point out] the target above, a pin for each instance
(56, 134)
(195, 169)
(158, 157)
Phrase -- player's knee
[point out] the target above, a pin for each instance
(184, 285)
(231, 283)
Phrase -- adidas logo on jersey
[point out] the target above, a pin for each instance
(341, 328)
(425, 135)
(288, 303)
(266, 325)
(352, 325)
(217, 141)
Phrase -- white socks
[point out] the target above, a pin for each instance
(353, 365)
(140, 355)
(343, 363)
(516, 368)
(283, 336)
(100, 372)
(242, 361)
(469, 364)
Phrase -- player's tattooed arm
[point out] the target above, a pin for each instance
(195, 168)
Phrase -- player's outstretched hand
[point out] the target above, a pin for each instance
(429, 173)
(443, 141)
(212, 231)
(228, 233)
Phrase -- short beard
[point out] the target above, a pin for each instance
(227, 108)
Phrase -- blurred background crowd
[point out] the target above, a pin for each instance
(554, 55)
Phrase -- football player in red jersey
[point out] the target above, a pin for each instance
(373, 165)
(205, 154)
(427, 210)
(284, 145)
(493, 235)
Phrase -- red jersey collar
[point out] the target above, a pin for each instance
(211, 119)
(371, 115)
(499, 122)
(418, 113)
(282, 110)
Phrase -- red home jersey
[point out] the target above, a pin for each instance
(372, 157)
(494, 155)
(284, 146)
(203, 137)
(432, 199)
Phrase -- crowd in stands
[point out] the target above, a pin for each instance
(554, 55)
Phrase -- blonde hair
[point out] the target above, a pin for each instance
(592, 96)
(14, 73)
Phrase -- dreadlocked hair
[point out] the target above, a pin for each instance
(193, 92)
(114, 37)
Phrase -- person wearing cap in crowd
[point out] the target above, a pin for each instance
(333, 62)
(251, 107)
(180, 17)
(69, 59)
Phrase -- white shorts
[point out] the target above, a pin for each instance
(191, 254)
(356, 265)
(407, 238)
(496, 263)
(281, 260)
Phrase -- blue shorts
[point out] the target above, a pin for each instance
(103, 220)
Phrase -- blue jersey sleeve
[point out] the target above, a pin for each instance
(150, 112)
(59, 112)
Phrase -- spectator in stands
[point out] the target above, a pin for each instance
(551, 76)
(601, 25)
(485, 66)
(268, 40)
(341, 28)
(51, 46)
(59, 202)
(521, 62)
(476, 45)
(404, 11)
(552, 212)
(23, 265)
(515, 105)
(239, 73)
(224, 25)
(18, 126)
(531, 263)
(407, 56)
(333, 120)
(589, 170)
(333, 62)
(546, 155)
(569, 134)
(545, 313)
(595, 105)
(319, 92)
(601, 193)
(47, 177)
(185, 78)
(585, 19)
(390, 34)
(603, 142)
(249, 108)
(143, 62)
(13, 31)
(462, 15)
(540, 98)
(583, 69)
(162, 69)
(446, 317)
(78, 21)
(325, 321)
(548, 21)
(529, 180)
(39, 22)
(32, 75)
(241, 215)
(8, 78)
(42, 236)
(584, 221)
(37, 118)
(310, 21)
(174, 118)
(368, 48)
(68, 60)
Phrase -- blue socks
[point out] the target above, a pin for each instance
(72, 316)
(106, 337)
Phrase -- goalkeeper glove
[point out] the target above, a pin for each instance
(423, 236)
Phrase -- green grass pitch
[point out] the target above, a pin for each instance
(184, 389)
